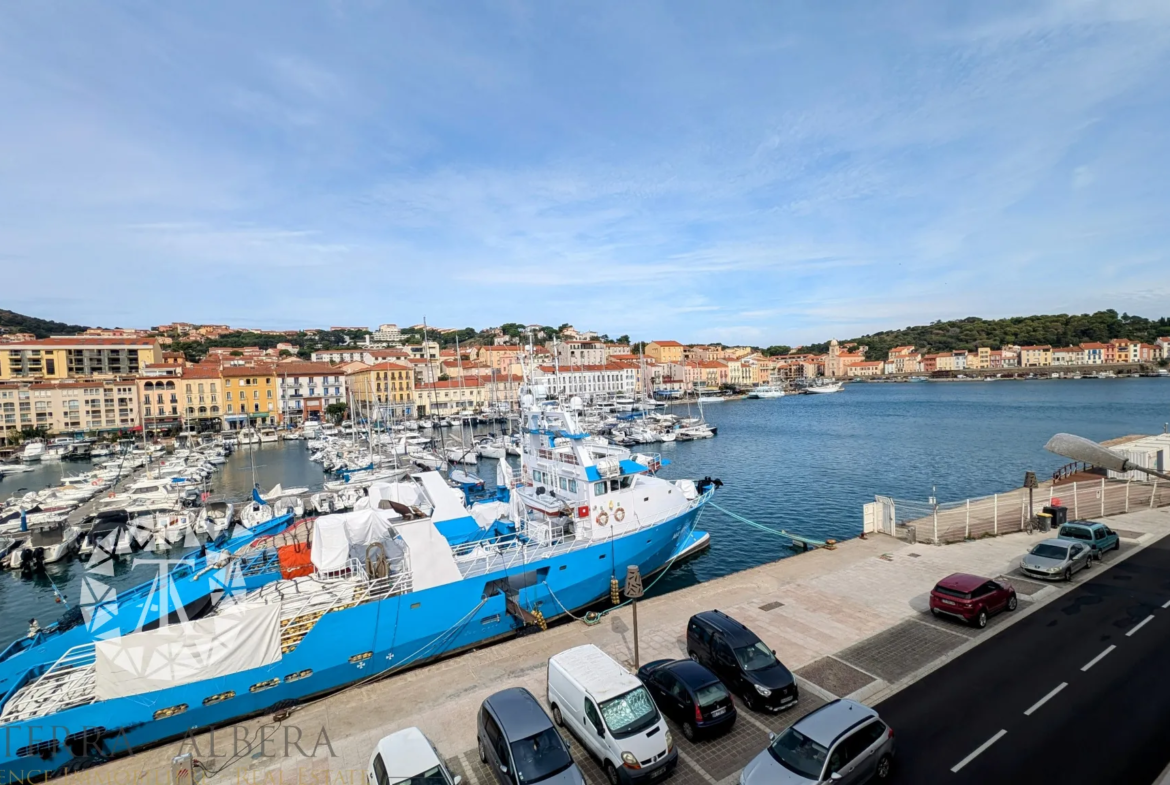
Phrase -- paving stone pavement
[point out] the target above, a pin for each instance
(835, 676)
(902, 649)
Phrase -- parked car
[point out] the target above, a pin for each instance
(741, 661)
(1099, 537)
(1057, 558)
(690, 695)
(519, 744)
(612, 714)
(971, 599)
(842, 742)
(408, 758)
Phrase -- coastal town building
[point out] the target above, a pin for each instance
(865, 369)
(77, 357)
(573, 353)
(68, 406)
(387, 333)
(665, 351)
(450, 397)
(250, 395)
(1035, 356)
(307, 390)
(1068, 355)
(589, 381)
(383, 390)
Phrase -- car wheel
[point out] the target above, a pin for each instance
(749, 701)
(557, 718)
(482, 752)
(1012, 603)
(981, 619)
(689, 730)
(611, 774)
(1068, 573)
(882, 772)
(1117, 545)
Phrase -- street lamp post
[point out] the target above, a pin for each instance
(634, 591)
(1081, 449)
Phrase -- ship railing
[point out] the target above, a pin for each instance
(68, 682)
(301, 614)
(511, 550)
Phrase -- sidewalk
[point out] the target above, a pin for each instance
(852, 621)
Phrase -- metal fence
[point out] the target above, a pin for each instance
(1003, 513)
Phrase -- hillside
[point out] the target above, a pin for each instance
(12, 322)
(972, 332)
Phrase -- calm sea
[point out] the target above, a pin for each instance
(802, 463)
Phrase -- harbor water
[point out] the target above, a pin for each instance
(805, 463)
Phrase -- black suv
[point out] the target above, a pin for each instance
(743, 662)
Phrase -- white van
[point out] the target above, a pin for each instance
(612, 715)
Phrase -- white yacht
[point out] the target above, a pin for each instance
(33, 451)
(821, 389)
(766, 391)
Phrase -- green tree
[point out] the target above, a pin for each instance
(285, 353)
(337, 411)
(624, 339)
(773, 351)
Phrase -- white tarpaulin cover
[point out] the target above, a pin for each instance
(402, 492)
(447, 501)
(235, 639)
(333, 535)
(487, 513)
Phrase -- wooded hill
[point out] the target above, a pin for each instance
(1054, 330)
(12, 322)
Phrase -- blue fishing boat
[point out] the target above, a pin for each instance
(412, 574)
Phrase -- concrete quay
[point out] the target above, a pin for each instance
(849, 622)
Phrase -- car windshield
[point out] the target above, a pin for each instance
(433, 776)
(630, 712)
(1046, 551)
(540, 756)
(798, 753)
(711, 694)
(755, 657)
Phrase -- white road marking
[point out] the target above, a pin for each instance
(1097, 659)
(1045, 699)
(1167, 605)
(976, 753)
(1140, 624)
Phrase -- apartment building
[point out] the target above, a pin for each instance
(1035, 356)
(450, 397)
(575, 353)
(77, 357)
(589, 381)
(665, 351)
(387, 333)
(157, 389)
(865, 369)
(68, 407)
(1068, 355)
(251, 394)
(307, 389)
(383, 390)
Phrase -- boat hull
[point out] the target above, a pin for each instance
(346, 646)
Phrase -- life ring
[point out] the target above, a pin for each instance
(602, 518)
(619, 515)
(111, 495)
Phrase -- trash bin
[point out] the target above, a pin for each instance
(1059, 514)
(1044, 519)
(912, 534)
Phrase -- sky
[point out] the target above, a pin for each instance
(763, 173)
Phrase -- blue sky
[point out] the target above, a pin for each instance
(747, 172)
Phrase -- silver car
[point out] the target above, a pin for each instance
(1056, 559)
(842, 742)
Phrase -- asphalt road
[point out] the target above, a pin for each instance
(1077, 692)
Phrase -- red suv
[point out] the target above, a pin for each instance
(971, 598)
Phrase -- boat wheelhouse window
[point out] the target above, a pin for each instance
(599, 488)
(615, 485)
(567, 484)
(627, 482)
